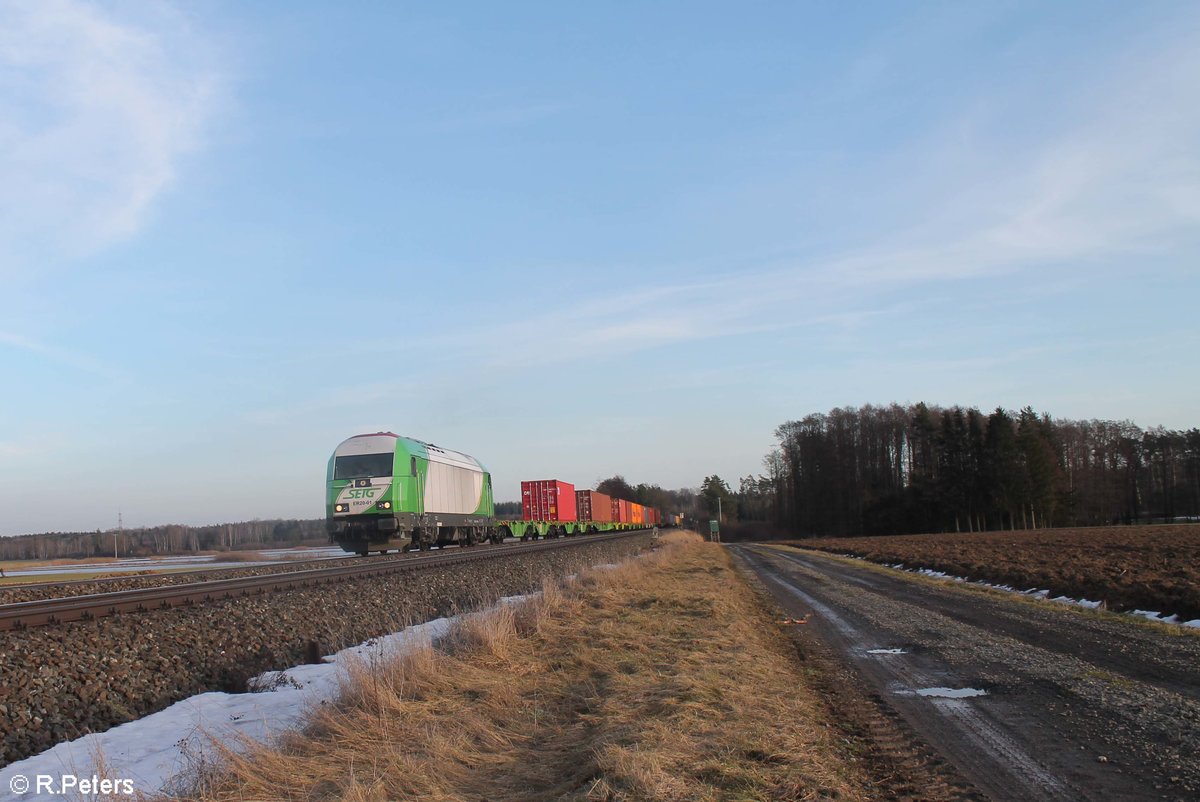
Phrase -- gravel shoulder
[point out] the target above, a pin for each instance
(1078, 705)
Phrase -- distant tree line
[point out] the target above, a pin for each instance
(668, 502)
(508, 510)
(168, 539)
(919, 468)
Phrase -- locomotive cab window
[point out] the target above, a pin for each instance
(413, 465)
(362, 466)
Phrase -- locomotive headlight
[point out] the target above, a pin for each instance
(385, 505)
(341, 507)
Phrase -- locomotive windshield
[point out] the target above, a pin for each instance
(362, 466)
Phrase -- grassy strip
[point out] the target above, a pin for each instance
(661, 679)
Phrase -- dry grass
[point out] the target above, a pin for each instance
(239, 557)
(66, 562)
(660, 679)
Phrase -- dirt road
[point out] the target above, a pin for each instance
(1074, 704)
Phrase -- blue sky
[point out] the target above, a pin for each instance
(570, 240)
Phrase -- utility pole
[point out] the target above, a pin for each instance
(120, 530)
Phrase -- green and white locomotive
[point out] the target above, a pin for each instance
(385, 492)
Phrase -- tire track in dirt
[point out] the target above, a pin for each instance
(1054, 725)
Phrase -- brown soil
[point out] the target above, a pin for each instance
(1128, 567)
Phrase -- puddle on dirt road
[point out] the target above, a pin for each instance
(951, 693)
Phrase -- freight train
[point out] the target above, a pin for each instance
(387, 492)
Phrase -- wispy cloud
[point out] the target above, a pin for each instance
(1122, 179)
(98, 110)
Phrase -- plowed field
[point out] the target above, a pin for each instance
(1127, 567)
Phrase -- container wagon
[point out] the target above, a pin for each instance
(545, 512)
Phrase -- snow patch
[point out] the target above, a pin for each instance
(1091, 605)
(1159, 617)
(886, 651)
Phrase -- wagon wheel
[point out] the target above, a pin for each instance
(422, 539)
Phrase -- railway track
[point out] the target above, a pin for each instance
(50, 612)
(133, 576)
(164, 578)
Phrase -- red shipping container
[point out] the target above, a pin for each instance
(593, 506)
(637, 513)
(620, 510)
(547, 500)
